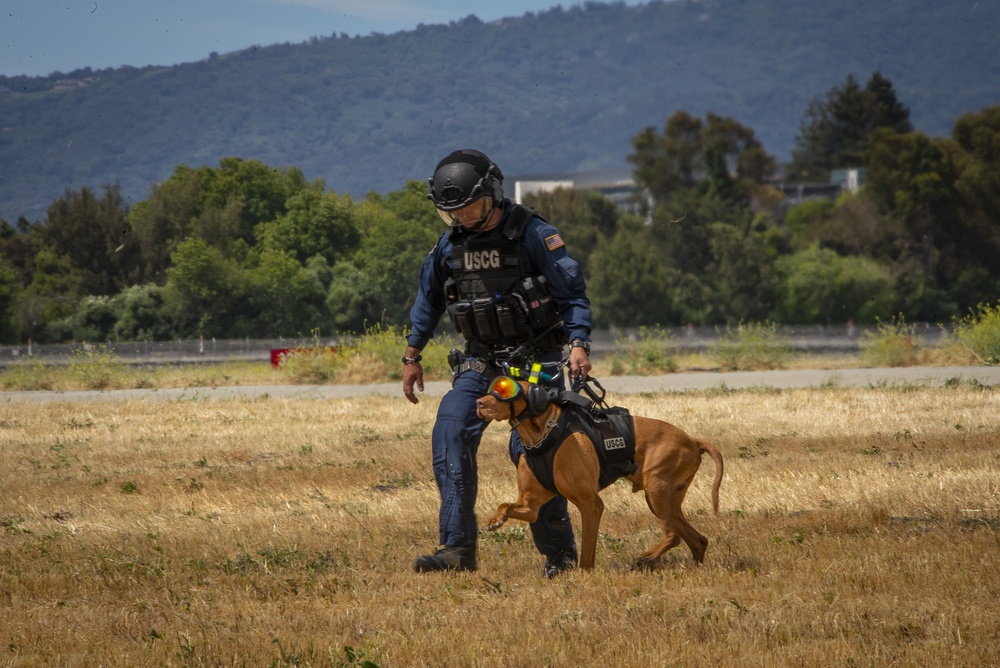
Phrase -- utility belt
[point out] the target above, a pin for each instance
(459, 367)
(506, 319)
(492, 362)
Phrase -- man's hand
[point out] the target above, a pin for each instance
(579, 363)
(413, 376)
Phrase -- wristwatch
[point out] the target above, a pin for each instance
(412, 360)
(580, 343)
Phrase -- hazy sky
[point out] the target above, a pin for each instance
(38, 37)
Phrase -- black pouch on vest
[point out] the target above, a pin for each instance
(507, 319)
(485, 314)
(542, 311)
(461, 315)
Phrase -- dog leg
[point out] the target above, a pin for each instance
(531, 496)
(697, 542)
(591, 509)
(665, 503)
(670, 541)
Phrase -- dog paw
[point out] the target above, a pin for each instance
(496, 521)
(643, 564)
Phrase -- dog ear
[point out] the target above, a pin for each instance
(538, 399)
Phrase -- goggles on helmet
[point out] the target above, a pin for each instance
(472, 215)
(505, 389)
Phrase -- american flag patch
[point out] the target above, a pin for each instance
(554, 242)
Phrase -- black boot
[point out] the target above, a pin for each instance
(559, 563)
(447, 559)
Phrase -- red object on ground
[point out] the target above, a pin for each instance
(279, 355)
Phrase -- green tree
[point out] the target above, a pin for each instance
(741, 273)
(286, 299)
(818, 286)
(353, 300)
(142, 314)
(698, 173)
(205, 292)
(50, 298)
(835, 133)
(260, 192)
(398, 231)
(704, 177)
(912, 179)
(314, 225)
(977, 164)
(19, 246)
(8, 299)
(163, 221)
(222, 206)
(94, 319)
(735, 161)
(670, 162)
(630, 285)
(89, 231)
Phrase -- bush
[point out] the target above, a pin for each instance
(95, 367)
(373, 357)
(27, 376)
(311, 364)
(645, 354)
(979, 332)
(892, 344)
(94, 319)
(750, 347)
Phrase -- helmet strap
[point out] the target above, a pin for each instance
(482, 221)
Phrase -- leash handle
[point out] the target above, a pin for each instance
(582, 385)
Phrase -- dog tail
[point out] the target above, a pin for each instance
(717, 458)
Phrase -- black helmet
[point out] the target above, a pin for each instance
(463, 177)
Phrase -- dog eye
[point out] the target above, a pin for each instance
(504, 388)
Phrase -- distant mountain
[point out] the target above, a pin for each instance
(563, 90)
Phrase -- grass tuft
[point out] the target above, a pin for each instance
(752, 347)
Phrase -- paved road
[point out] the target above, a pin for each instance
(676, 382)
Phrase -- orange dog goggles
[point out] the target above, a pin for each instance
(505, 389)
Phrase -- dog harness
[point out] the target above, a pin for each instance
(610, 430)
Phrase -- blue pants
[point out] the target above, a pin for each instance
(454, 445)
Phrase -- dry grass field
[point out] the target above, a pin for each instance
(858, 527)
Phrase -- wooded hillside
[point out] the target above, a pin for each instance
(563, 90)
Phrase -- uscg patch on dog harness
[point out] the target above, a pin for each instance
(554, 242)
(614, 443)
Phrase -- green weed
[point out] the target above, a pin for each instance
(96, 367)
(27, 376)
(892, 344)
(751, 347)
(979, 332)
(371, 357)
(648, 353)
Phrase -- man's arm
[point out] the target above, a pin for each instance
(428, 307)
(567, 287)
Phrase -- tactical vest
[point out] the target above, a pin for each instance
(492, 299)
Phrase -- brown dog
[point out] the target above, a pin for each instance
(666, 457)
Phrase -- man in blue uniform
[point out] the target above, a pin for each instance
(503, 275)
